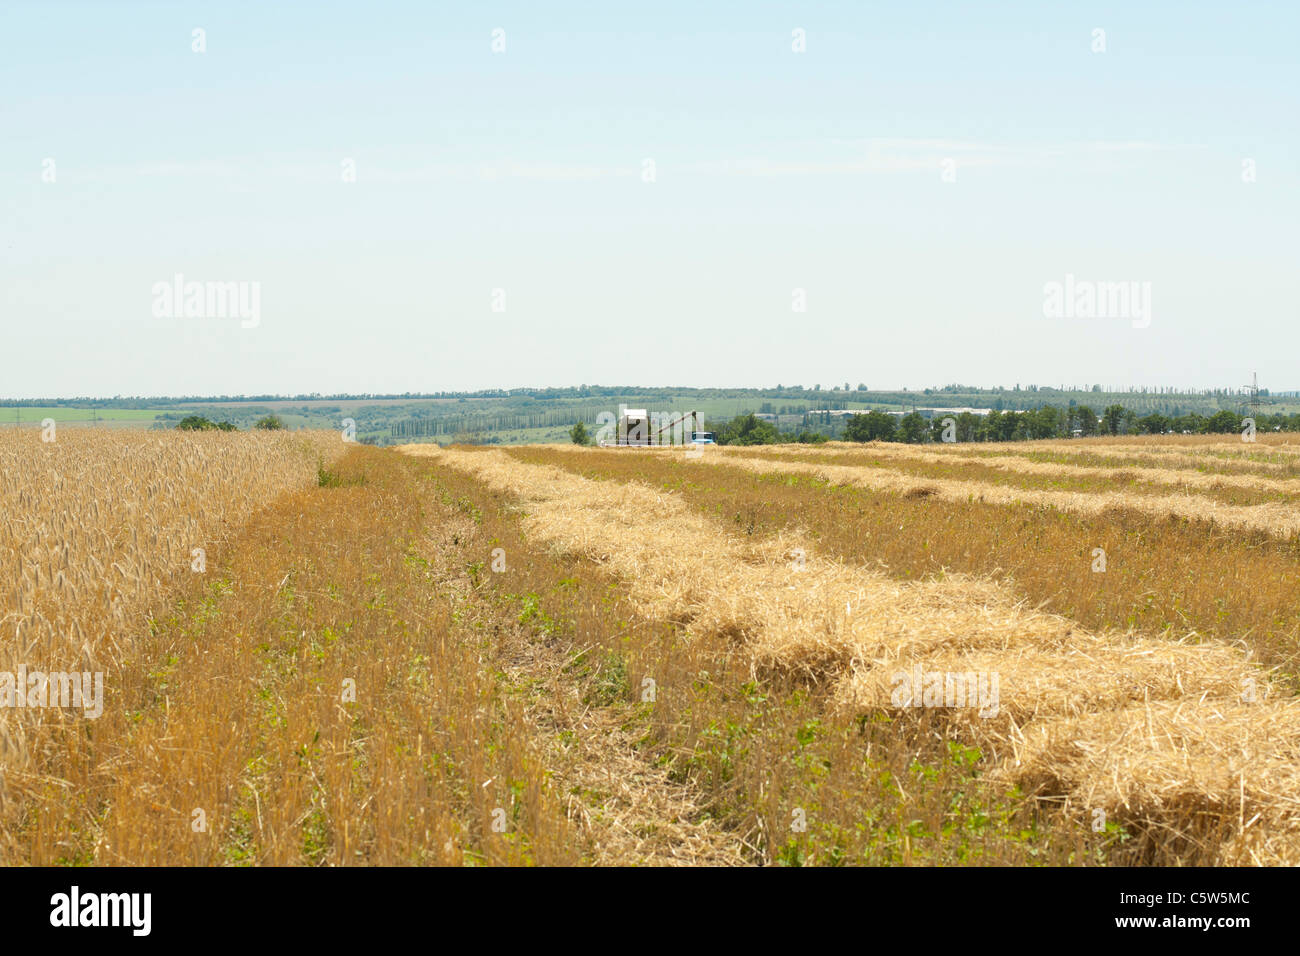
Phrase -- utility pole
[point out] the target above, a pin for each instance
(1253, 391)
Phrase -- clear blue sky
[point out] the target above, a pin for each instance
(522, 170)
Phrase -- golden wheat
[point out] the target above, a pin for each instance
(96, 527)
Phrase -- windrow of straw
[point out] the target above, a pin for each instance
(1280, 520)
(1182, 479)
(1270, 452)
(1264, 440)
(794, 611)
(1089, 674)
(1208, 462)
(1233, 456)
(1215, 770)
(1069, 701)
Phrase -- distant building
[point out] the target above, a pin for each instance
(937, 412)
(924, 412)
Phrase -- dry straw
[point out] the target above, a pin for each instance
(1152, 731)
(1233, 456)
(1202, 768)
(1281, 520)
(1182, 479)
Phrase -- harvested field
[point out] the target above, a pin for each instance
(1230, 488)
(1219, 458)
(1278, 519)
(1170, 578)
(855, 631)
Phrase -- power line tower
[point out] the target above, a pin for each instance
(1252, 390)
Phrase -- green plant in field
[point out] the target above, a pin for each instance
(315, 836)
(611, 683)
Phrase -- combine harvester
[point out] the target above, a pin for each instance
(636, 429)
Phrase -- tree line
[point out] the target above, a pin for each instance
(1049, 421)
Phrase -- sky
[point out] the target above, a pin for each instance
(424, 196)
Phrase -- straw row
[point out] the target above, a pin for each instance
(1187, 740)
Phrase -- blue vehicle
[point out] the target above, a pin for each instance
(702, 438)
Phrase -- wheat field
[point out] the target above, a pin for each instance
(97, 528)
(316, 653)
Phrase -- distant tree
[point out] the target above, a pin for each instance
(1153, 424)
(1045, 422)
(1020, 427)
(1221, 423)
(1088, 422)
(1111, 419)
(912, 428)
(747, 430)
(873, 426)
(270, 423)
(1001, 426)
(578, 434)
(195, 423)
